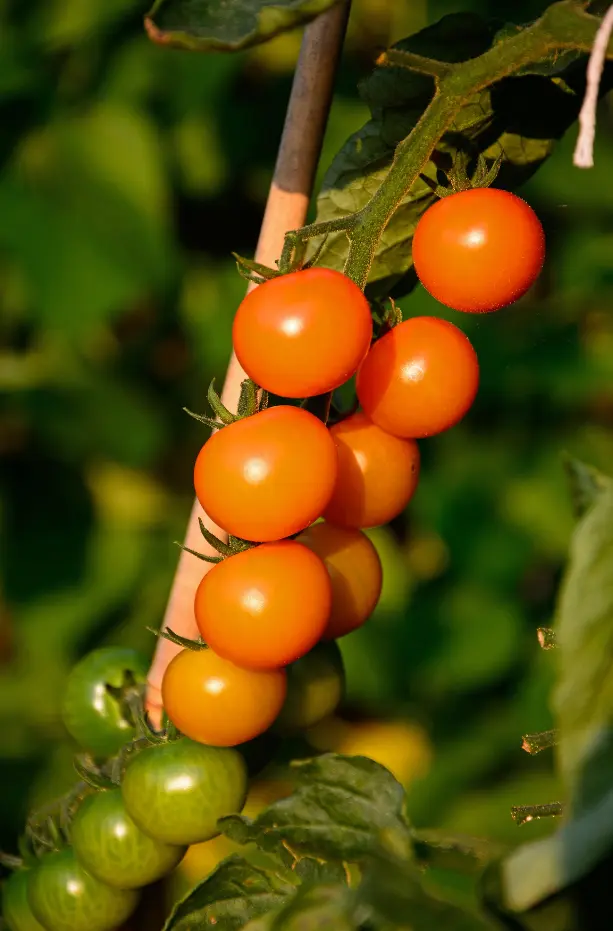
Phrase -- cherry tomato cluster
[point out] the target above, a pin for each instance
(267, 609)
(294, 495)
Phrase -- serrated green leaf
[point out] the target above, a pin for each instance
(517, 118)
(586, 484)
(344, 808)
(219, 26)
(235, 893)
(442, 850)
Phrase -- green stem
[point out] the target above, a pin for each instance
(564, 25)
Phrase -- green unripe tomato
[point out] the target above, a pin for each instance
(16, 909)
(64, 897)
(315, 686)
(113, 849)
(92, 711)
(176, 792)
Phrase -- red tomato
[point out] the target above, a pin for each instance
(265, 607)
(268, 476)
(214, 702)
(419, 379)
(355, 573)
(377, 474)
(304, 333)
(478, 250)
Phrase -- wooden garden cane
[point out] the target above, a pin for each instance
(286, 209)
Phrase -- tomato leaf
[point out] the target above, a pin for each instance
(231, 896)
(215, 25)
(343, 809)
(583, 705)
(459, 852)
(312, 908)
(517, 118)
(586, 484)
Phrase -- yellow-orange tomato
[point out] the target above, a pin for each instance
(303, 333)
(268, 476)
(215, 702)
(265, 607)
(419, 379)
(377, 474)
(355, 572)
(478, 250)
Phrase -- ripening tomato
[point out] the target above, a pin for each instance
(377, 474)
(64, 897)
(177, 791)
(215, 702)
(268, 476)
(304, 333)
(419, 379)
(355, 572)
(265, 607)
(315, 685)
(478, 250)
(112, 848)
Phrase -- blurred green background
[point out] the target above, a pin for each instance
(128, 174)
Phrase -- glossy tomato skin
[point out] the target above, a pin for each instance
(355, 572)
(92, 714)
(304, 333)
(377, 474)
(268, 476)
(265, 607)
(478, 250)
(419, 379)
(16, 909)
(113, 849)
(315, 686)
(65, 897)
(176, 792)
(215, 702)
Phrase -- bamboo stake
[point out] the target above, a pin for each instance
(286, 209)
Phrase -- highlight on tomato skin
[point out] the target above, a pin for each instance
(215, 702)
(265, 607)
(303, 333)
(355, 572)
(478, 250)
(419, 379)
(268, 476)
(378, 473)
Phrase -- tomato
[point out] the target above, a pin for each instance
(111, 847)
(377, 474)
(16, 909)
(419, 379)
(176, 792)
(304, 333)
(268, 476)
(315, 685)
(64, 897)
(215, 702)
(265, 607)
(93, 711)
(478, 250)
(355, 572)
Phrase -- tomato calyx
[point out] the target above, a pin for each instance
(252, 400)
(459, 178)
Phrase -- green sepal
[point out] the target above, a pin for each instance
(248, 399)
(217, 406)
(210, 559)
(186, 642)
(254, 271)
(91, 774)
(207, 421)
(224, 549)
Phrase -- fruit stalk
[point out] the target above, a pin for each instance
(286, 209)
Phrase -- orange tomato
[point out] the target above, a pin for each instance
(215, 702)
(355, 572)
(478, 250)
(304, 333)
(419, 379)
(265, 607)
(268, 476)
(377, 474)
